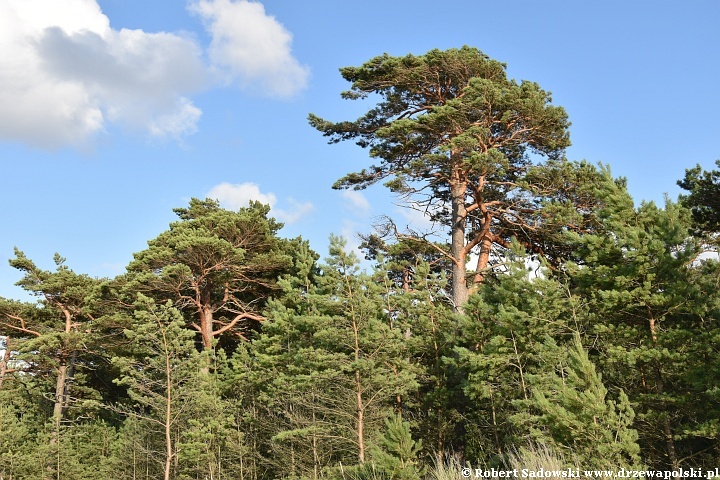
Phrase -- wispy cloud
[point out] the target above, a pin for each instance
(250, 47)
(349, 232)
(356, 202)
(236, 196)
(417, 219)
(296, 211)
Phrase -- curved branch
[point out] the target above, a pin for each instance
(21, 329)
(235, 320)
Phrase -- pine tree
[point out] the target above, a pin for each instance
(452, 126)
(649, 299)
(396, 453)
(216, 266)
(501, 347)
(161, 379)
(423, 315)
(703, 198)
(22, 455)
(330, 366)
(578, 415)
(55, 342)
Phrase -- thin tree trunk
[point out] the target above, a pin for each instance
(316, 456)
(440, 445)
(496, 434)
(61, 387)
(520, 367)
(360, 407)
(360, 418)
(168, 408)
(660, 388)
(68, 381)
(134, 451)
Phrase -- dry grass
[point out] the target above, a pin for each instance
(534, 458)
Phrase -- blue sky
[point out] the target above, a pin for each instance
(114, 112)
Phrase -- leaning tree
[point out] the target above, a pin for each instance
(452, 130)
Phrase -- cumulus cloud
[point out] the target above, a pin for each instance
(250, 47)
(356, 202)
(236, 196)
(65, 73)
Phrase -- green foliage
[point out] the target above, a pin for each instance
(204, 441)
(327, 368)
(603, 356)
(703, 198)
(580, 418)
(218, 267)
(161, 378)
(402, 259)
(57, 344)
(84, 449)
(650, 298)
(451, 126)
(437, 103)
(502, 346)
(422, 312)
(19, 438)
(396, 453)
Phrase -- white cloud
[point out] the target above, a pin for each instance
(182, 121)
(251, 47)
(356, 202)
(236, 196)
(297, 211)
(64, 74)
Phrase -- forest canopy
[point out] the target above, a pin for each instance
(585, 330)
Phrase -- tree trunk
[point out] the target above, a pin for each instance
(206, 327)
(168, 407)
(360, 407)
(58, 409)
(360, 418)
(483, 260)
(60, 389)
(316, 455)
(68, 381)
(460, 292)
(440, 445)
(660, 389)
(4, 361)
